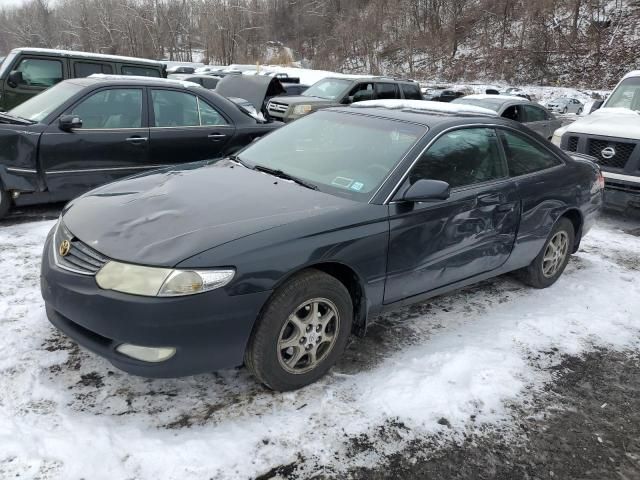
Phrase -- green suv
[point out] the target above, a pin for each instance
(335, 91)
(26, 72)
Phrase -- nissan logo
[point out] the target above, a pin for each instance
(608, 153)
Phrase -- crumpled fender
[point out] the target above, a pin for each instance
(19, 158)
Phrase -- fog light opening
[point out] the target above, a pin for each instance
(146, 354)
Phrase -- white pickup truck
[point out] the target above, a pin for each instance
(612, 135)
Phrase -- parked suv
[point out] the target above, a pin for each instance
(612, 135)
(28, 71)
(331, 92)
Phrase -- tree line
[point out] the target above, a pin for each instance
(580, 42)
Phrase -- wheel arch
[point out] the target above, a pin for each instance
(574, 215)
(350, 279)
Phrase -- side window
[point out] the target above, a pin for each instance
(386, 91)
(175, 109)
(514, 112)
(361, 92)
(535, 114)
(114, 108)
(524, 156)
(84, 69)
(140, 71)
(209, 115)
(462, 157)
(411, 92)
(37, 72)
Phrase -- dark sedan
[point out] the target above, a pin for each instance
(83, 133)
(274, 257)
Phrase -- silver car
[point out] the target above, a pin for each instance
(532, 114)
(565, 105)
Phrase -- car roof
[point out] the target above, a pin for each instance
(98, 78)
(429, 115)
(71, 53)
(498, 98)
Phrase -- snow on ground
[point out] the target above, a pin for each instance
(437, 369)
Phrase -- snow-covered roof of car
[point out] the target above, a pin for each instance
(505, 98)
(634, 73)
(71, 53)
(183, 83)
(424, 105)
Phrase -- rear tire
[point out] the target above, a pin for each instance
(5, 202)
(301, 332)
(579, 111)
(547, 267)
(565, 110)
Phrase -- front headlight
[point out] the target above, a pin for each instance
(557, 136)
(160, 282)
(301, 109)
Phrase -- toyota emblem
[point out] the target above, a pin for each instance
(608, 153)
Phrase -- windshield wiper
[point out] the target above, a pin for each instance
(280, 174)
(237, 159)
(13, 119)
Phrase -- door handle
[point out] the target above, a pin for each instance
(137, 140)
(491, 199)
(217, 136)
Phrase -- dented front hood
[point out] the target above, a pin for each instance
(162, 218)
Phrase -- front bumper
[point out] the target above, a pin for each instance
(210, 331)
(621, 192)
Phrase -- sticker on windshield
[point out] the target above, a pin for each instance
(357, 186)
(342, 182)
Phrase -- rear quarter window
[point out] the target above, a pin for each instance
(524, 156)
(411, 92)
(140, 71)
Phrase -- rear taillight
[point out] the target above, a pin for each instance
(598, 185)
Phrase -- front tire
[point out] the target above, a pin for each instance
(5, 202)
(547, 267)
(565, 110)
(579, 111)
(301, 332)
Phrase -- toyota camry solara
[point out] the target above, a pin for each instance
(274, 257)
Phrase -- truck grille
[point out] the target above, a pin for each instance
(276, 108)
(572, 145)
(81, 258)
(623, 151)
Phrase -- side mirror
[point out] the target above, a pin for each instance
(68, 122)
(426, 190)
(596, 105)
(15, 78)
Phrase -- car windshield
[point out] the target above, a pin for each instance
(489, 103)
(626, 95)
(39, 107)
(347, 155)
(329, 88)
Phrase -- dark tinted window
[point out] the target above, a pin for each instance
(387, 90)
(84, 69)
(462, 157)
(175, 109)
(114, 108)
(515, 112)
(140, 71)
(524, 156)
(411, 92)
(37, 72)
(210, 83)
(361, 92)
(535, 114)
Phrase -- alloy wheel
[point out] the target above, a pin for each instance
(555, 254)
(308, 335)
